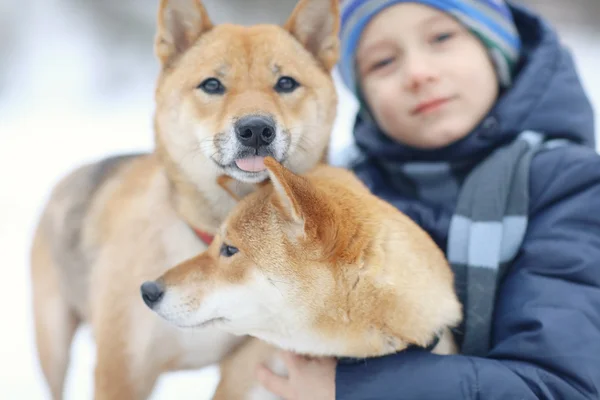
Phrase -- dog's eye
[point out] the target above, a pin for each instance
(228, 251)
(212, 86)
(285, 84)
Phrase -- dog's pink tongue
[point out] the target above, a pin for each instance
(251, 164)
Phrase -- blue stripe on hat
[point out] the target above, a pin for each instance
(474, 13)
(471, 13)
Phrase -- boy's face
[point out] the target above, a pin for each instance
(428, 81)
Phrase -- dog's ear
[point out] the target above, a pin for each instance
(294, 194)
(316, 24)
(235, 191)
(227, 184)
(180, 24)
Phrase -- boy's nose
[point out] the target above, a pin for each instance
(418, 72)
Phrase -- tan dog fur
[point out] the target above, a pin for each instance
(113, 224)
(322, 268)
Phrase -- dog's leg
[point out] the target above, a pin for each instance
(55, 322)
(114, 380)
(119, 375)
(126, 368)
(131, 348)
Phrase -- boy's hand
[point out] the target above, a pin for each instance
(308, 378)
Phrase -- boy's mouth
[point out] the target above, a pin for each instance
(430, 105)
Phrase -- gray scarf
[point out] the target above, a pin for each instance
(487, 229)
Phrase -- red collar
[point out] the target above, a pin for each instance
(205, 237)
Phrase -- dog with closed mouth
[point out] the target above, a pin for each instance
(227, 96)
(317, 265)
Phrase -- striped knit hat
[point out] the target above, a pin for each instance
(490, 20)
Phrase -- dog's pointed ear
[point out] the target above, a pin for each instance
(180, 24)
(227, 183)
(294, 194)
(236, 191)
(316, 24)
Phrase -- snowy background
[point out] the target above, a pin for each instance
(76, 83)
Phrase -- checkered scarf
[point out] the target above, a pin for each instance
(488, 224)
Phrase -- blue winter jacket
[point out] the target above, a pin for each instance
(546, 328)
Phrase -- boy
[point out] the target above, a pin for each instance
(474, 123)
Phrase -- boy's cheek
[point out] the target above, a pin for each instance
(384, 96)
(374, 91)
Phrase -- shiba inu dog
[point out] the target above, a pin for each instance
(317, 265)
(227, 96)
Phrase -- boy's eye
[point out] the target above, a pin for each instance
(442, 37)
(228, 251)
(382, 63)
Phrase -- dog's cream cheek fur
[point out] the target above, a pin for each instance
(190, 143)
(261, 307)
(256, 300)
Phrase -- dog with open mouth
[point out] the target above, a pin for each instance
(227, 96)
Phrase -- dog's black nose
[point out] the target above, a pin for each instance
(152, 293)
(255, 131)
